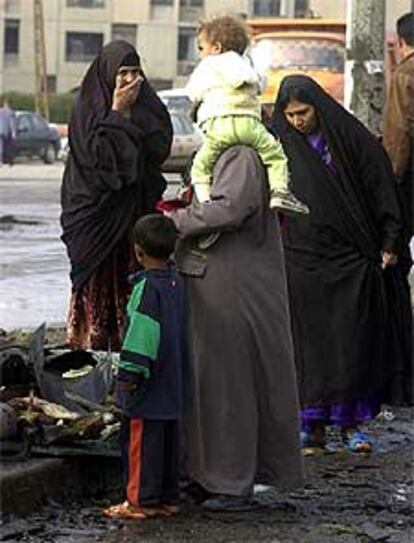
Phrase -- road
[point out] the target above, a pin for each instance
(34, 270)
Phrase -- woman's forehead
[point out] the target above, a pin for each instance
(295, 106)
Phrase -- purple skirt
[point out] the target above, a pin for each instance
(342, 414)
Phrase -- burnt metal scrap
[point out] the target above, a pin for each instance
(56, 401)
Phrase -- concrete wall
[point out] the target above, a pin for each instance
(226, 6)
(157, 46)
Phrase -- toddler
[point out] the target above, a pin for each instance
(226, 88)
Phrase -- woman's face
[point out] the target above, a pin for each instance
(301, 116)
(126, 75)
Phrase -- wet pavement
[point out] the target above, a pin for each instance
(347, 498)
(34, 271)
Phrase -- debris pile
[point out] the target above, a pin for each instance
(56, 401)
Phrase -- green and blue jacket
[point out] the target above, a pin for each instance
(150, 372)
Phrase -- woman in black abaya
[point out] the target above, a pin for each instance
(349, 296)
(119, 135)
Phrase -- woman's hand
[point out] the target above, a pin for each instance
(125, 95)
(388, 259)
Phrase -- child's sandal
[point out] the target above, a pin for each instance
(127, 511)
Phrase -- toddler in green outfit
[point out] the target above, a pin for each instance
(226, 88)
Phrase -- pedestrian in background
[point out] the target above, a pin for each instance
(7, 133)
(398, 129)
(149, 387)
(119, 135)
(349, 297)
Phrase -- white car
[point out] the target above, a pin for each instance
(187, 139)
(176, 100)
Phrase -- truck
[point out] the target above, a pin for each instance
(315, 47)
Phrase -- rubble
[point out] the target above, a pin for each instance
(56, 397)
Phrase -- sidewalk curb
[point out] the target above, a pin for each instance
(25, 485)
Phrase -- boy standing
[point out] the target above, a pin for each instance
(149, 381)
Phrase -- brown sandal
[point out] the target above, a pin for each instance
(127, 511)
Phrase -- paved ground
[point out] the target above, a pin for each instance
(346, 499)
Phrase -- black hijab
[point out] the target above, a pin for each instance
(354, 215)
(113, 171)
(364, 180)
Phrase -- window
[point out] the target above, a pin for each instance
(82, 46)
(301, 8)
(182, 126)
(162, 2)
(39, 124)
(192, 3)
(24, 124)
(11, 37)
(85, 3)
(125, 32)
(266, 8)
(187, 44)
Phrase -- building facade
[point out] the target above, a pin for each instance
(162, 30)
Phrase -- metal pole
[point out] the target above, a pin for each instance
(42, 102)
(364, 68)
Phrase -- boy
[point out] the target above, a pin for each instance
(226, 87)
(149, 380)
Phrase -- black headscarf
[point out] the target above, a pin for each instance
(113, 171)
(334, 257)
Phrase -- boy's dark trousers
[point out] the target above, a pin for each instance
(150, 461)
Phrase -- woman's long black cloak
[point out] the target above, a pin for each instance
(351, 319)
(113, 170)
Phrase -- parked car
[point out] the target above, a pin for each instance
(176, 100)
(35, 137)
(187, 139)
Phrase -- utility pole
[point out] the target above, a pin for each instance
(364, 67)
(41, 95)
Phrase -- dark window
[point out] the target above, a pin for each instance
(302, 8)
(125, 32)
(11, 37)
(82, 46)
(162, 2)
(192, 3)
(187, 44)
(266, 8)
(85, 3)
(39, 124)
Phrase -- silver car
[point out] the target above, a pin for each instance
(187, 139)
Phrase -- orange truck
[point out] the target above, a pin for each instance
(315, 47)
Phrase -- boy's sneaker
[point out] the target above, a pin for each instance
(288, 203)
